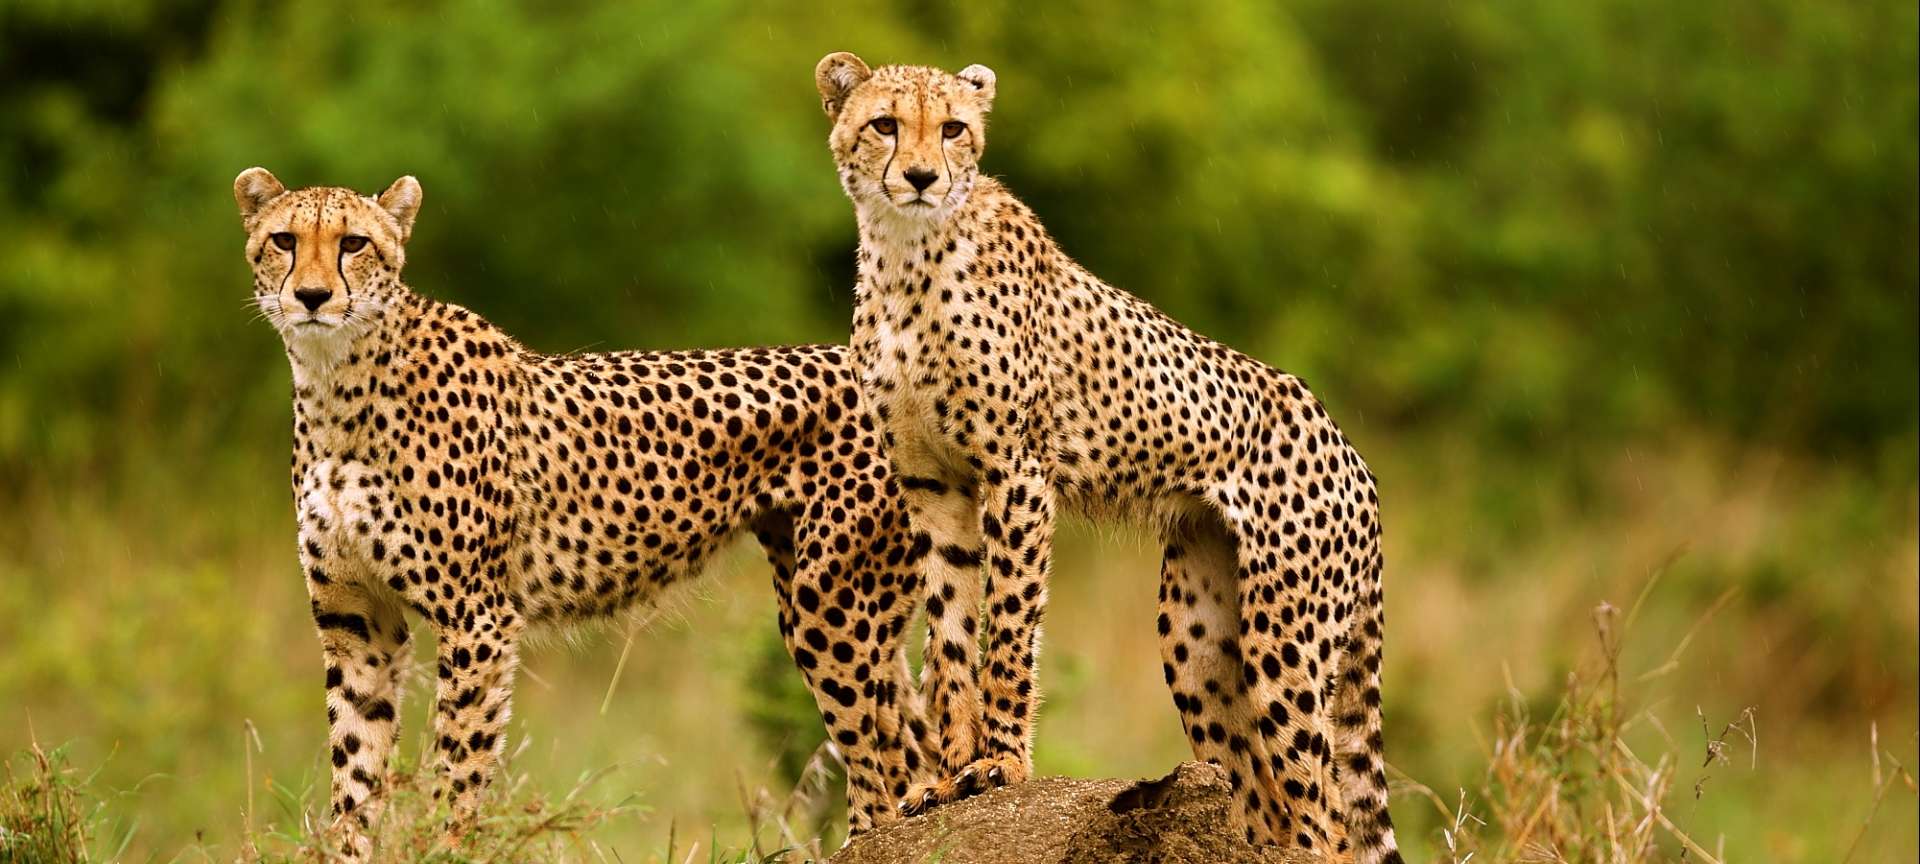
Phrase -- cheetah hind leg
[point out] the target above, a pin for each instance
(1199, 626)
(922, 751)
(1279, 656)
(874, 757)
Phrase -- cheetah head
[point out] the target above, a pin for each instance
(907, 139)
(326, 261)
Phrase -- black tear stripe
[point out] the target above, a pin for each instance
(893, 109)
(340, 267)
(942, 144)
(292, 265)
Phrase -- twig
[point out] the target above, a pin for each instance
(1717, 746)
(1873, 743)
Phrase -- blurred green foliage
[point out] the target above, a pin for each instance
(1542, 222)
(1587, 283)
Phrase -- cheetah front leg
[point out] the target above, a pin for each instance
(1016, 526)
(364, 642)
(363, 639)
(945, 519)
(478, 654)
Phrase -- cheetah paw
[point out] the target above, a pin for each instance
(982, 775)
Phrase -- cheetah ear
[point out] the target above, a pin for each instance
(402, 199)
(982, 80)
(254, 189)
(836, 76)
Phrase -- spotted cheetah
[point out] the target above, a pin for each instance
(439, 466)
(1009, 382)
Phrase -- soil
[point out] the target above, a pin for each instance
(1182, 818)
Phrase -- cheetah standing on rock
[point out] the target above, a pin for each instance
(1006, 378)
(441, 467)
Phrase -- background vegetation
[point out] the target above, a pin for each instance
(1602, 290)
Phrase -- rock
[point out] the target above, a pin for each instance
(1182, 818)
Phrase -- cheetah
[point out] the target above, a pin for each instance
(441, 467)
(1010, 383)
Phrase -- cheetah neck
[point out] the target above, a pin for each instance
(889, 240)
(333, 376)
(904, 257)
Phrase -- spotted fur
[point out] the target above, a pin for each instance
(441, 467)
(1010, 383)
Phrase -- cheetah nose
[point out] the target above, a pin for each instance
(312, 297)
(921, 178)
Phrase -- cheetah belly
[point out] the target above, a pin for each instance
(1129, 470)
(598, 554)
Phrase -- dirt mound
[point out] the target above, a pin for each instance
(1181, 818)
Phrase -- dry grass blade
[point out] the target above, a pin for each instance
(249, 744)
(1673, 658)
(1879, 796)
(637, 623)
(517, 823)
(1673, 830)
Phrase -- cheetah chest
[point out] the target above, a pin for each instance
(345, 507)
(905, 379)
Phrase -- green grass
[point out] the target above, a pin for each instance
(517, 822)
(50, 814)
(1596, 779)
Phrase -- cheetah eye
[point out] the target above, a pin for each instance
(884, 125)
(952, 129)
(353, 243)
(283, 240)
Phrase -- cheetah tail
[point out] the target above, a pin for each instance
(1358, 745)
(915, 734)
